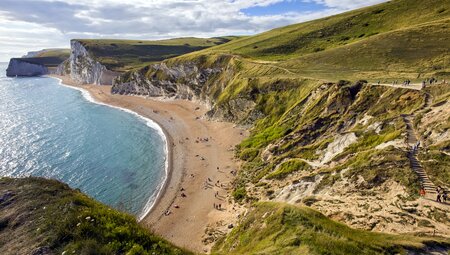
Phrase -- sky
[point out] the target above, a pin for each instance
(29, 25)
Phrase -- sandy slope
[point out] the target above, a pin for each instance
(192, 162)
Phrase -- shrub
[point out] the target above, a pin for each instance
(288, 167)
(239, 194)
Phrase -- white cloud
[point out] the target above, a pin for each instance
(51, 23)
(345, 4)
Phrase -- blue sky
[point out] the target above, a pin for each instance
(29, 25)
(284, 7)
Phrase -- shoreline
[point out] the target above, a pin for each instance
(198, 150)
(153, 199)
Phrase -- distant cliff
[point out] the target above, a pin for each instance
(22, 67)
(84, 68)
(44, 63)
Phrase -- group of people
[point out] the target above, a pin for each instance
(407, 82)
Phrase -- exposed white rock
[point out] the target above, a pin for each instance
(294, 193)
(85, 69)
(20, 67)
(398, 143)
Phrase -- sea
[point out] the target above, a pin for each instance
(50, 130)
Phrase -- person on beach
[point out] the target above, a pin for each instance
(444, 196)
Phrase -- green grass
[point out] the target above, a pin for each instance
(395, 40)
(309, 124)
(47, 213)
(124, 55)
(276, 228)
(437, 165)
(288, 167)
(59, 53)
(331, 32)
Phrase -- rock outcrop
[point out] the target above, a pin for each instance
(191, 81)
(166, 82)
(84, 68)
(24, 67)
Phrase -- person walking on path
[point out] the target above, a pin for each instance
(422, 192)
(438, 197)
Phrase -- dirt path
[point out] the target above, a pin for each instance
(410, 86)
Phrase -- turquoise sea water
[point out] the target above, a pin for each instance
(50, 130)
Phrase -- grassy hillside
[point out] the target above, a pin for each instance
(39, 216)
(274, 228)
(51, 62)
(331, 32)
(59, 53)
(344, 141)
(399, 39)
(122, 55)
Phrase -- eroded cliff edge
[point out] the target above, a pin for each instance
(22, 67)
(83, 68)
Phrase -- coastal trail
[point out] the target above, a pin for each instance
(412, 139)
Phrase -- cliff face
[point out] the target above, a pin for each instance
(199, 80)
(84, 69)
(21, 67)
(164, 82)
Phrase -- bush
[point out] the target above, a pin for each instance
(288, 167)
(248, 154)
(240, 194)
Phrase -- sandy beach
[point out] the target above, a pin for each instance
(201, 167)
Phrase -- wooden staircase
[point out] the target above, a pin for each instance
(411, 140)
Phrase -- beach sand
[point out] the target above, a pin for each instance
(191, 163)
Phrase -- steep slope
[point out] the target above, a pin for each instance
(272, 228)
(331, 32)
(409, 53)
(39, 216)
